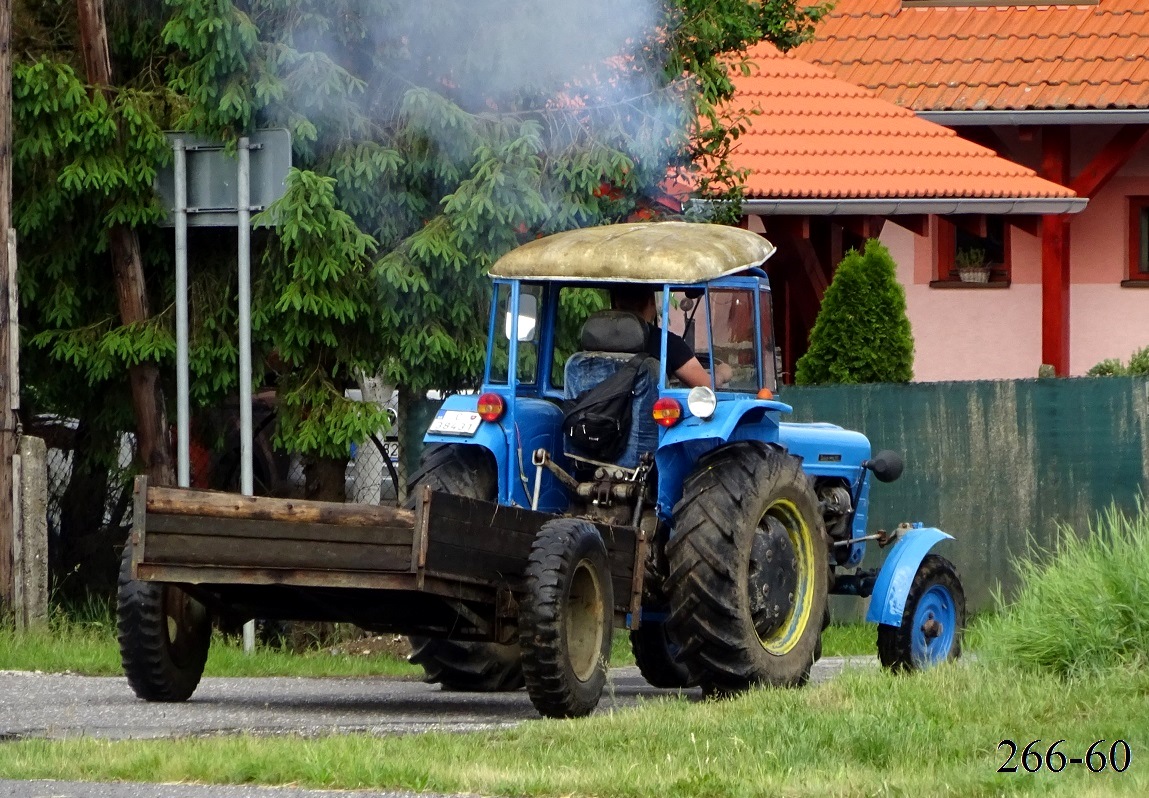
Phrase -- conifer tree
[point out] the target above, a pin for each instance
(425, 147)
(862, 333)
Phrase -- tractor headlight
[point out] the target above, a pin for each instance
(701, 401)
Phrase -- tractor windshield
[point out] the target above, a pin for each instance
(729, 331)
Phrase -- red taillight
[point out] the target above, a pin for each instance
(491, 406)
(667, 412)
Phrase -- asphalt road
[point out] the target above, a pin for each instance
(58, 706)
(61, 705)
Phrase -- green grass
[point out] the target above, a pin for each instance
(865, 733)
(86, 644)
(1084, 605)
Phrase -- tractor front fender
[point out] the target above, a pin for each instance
(729, 417)
(897, 575)
(680, 446)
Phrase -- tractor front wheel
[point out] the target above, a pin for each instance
(748, 569)
(566, 618)
(932, 621)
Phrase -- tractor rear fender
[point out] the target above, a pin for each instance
(527, 424)
(897, 575)
(680, 446)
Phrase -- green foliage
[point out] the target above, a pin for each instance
(1139, 362)
(1110, 367)
(706, 38)
(971, 257)
(82, 162)
(316, 315)
(417, 169)
(862, 333)
(1081, 607)
(1138, 366)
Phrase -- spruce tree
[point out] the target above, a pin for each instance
(862, 333)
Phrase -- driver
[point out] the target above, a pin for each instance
(638, 299)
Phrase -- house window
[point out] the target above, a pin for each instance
(973, 251)
(1139, 239)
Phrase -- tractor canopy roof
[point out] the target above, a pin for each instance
(646, 252)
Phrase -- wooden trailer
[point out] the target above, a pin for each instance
(453, 567)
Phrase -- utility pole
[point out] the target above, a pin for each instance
(152, 434)
(9, 331)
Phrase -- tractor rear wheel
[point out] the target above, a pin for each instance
(932, 621)
(164, 635)
(566, 618)
(749, 569)
(463, 665)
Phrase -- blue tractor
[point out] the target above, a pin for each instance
(744, 523)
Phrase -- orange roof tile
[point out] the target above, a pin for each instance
(818, 137)
(1021, 57)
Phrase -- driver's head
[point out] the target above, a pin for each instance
(637, 298)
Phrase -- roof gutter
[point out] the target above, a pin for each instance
(1075, 116)
(996, 206)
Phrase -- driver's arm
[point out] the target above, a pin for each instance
(692, 374)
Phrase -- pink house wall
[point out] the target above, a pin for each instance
(978, 333)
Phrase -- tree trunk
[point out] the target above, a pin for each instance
(325, 479)
(152, 438)
(9, 397)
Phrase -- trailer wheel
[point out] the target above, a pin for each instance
(566, 618)
(657, 657)
(474, 666)
(748, 569)
(164, 635)
(932, 622)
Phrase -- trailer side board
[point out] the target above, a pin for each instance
(472, 540)
(450, 545)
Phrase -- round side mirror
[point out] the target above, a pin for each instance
(886, 465)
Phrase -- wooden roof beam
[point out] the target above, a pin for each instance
(917, 223)
(1114, 155)
(973, 223)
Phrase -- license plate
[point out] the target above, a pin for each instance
(455, 422)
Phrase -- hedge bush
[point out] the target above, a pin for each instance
(862, 333)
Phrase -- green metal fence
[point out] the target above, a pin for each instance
(999, 465)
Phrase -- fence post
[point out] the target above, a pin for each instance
(30, 533)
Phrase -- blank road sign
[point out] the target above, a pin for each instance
(212, 177)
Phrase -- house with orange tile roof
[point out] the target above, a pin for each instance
(830, 164)
(1062, 90)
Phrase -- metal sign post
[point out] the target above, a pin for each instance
(183, 456)
(203, 189)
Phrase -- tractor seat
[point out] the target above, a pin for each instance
(609, 339)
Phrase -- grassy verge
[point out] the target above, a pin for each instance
(865, 733)
(89, 647)
(1084, 605)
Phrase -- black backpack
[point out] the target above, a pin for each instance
(597, 421)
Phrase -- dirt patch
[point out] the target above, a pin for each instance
(395, 646)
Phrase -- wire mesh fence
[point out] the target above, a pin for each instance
(117, 506)
(372, 475)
